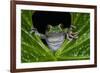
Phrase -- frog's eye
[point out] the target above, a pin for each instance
(49, 27)
(60, 26)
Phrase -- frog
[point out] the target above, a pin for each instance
(55, 36)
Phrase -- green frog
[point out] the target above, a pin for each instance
(55, 36)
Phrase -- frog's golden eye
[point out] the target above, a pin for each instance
(60, 26)
(49, 27)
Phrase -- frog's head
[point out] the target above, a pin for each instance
(54, 29)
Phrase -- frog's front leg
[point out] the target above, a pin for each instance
(34, 30)
(71, 35)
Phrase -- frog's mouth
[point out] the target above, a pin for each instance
(55, 40)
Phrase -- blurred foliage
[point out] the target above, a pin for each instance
(33, 49)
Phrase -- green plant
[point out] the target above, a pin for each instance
(33, 49)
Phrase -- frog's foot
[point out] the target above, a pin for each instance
(34, 30)
(72, 35)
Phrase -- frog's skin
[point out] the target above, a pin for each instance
(55, 36)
